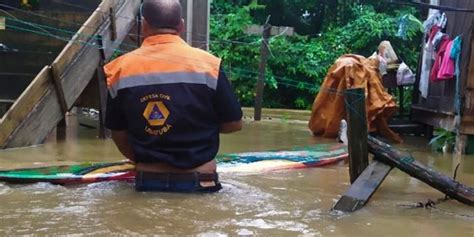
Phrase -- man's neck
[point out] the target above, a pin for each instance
(163, 32)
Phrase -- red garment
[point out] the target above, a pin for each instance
(439, 58)
(434, 30)
(447, 65)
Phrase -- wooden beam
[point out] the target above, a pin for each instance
(469, 103)
(83, 36)
(409, 165)
(58, 87)
(363, 188)
(461, 144)
(24, 105)
(3, 23)
(113, 27)
(37, 108)
(264, 51)
(200, 24)
(275, 30)
(356, 131)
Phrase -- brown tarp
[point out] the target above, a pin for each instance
(352, 71)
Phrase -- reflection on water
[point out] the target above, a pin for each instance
(284, 203)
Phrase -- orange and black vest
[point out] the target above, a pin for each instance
(171, 98)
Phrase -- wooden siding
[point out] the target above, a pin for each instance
(438, 109)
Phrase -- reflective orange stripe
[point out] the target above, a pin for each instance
(162, 54)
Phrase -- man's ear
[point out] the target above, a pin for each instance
(146, 29)
(182, 27)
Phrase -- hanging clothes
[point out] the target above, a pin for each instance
(437, 41)
(432, 20)
(434, 24)
(446, 70)
(428, 55)
(456, 56)
(442, 21)
(439, 59)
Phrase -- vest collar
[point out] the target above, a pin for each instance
(162, 39)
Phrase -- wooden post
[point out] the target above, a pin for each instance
(357, 132)
(55, 77)
(267, 28)
(401, 109)
(3, 24)
(461, 144)
(35, 113)
(104, 133)
(200, 23)
(113, 25)
(61, 128)
(409, 165)
(139, 25)
(267, 32)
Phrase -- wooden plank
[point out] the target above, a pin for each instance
(78, 64)
(102, 90)
(357, 131)
(275, 30)
(470, 80)
(24, 105)
(2, 23)
(81, 39)
(61, 130)
(437, 120)
(58, 87)
(113, 27)
(461, 144)
(254, 30)
(264, 51)
(363, 188)
(123, 26)
(47, 113)
(187, 14)
(283, 30)
(409, 165)
(469, 101)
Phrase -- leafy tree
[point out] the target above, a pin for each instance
(297, 66)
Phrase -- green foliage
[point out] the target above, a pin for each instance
(442, 138)
(228, 24)
(297, 65)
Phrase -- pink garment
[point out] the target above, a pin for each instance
(447, 68)
(439, 58)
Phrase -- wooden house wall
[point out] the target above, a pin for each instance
(29, 51)
(438, 109)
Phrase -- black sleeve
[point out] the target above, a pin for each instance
(226, 104)
(114, 117)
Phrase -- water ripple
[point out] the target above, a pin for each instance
(4, 189)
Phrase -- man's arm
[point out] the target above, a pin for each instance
(231, 127)
(121, 141)
(115, 120)
(227, 106)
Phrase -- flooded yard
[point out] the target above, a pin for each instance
(284, 203)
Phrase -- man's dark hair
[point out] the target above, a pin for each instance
(162, 13)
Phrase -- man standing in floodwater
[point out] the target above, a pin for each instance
(167, 104)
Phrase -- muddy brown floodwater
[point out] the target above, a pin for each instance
(285, 203)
